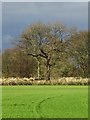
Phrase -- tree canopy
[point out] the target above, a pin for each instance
(52, 50)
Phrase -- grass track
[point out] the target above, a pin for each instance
(45, 102)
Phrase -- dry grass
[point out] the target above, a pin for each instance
(32, 81)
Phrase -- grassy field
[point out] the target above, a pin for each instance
(45, 102)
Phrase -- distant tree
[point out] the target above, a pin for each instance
(17, 64)
(6, 63)
(79, 52)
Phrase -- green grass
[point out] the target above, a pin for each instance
(45, 102)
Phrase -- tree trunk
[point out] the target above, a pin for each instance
(48, 69)
(38, 69)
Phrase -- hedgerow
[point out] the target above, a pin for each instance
(32, 81)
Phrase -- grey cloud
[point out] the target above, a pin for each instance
(45, 0)
(18, 15)
(24, 11)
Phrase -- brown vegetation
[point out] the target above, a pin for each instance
(60, 81)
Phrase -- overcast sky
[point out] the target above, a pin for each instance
(45, 0)
(18, 15)
(0, 26)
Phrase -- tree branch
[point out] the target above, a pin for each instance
(44, 53)
(36, 55)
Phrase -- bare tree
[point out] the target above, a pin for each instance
(44, 41)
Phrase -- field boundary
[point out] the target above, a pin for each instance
(60, 81)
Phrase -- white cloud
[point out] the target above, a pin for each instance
(7, 39)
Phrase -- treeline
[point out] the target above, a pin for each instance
(46, 51)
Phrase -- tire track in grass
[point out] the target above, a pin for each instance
(38, 106)
(35, 113)
(33, 109)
